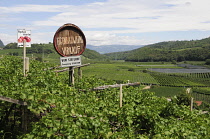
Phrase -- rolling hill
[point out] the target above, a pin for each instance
(102, 49)
(194, 50)
(45, 49)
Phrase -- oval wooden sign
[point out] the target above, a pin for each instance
(69, 40)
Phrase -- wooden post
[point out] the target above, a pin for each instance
(24, 57)
(121, 95)
(191, 104)
(27, 64)
(71, 76)
(80, 73)
(24, 118)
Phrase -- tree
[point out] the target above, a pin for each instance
(207, 62)
(11, 46)
(173, 62)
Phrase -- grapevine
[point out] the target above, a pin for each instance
(60, 111)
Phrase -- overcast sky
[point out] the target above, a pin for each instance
(105, 22)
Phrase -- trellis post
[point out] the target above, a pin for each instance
(71, 76)
(191, 104)
(121, 95)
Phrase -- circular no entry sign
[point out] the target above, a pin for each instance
(69, 40)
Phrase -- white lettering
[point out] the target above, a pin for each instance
(71, 50)
(69, 40)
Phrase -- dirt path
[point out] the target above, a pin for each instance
(147, 87)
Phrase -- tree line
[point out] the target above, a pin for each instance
(194, 50)
(35, 48)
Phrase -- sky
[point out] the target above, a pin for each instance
(107, 22)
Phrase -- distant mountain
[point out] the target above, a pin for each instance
(194, 50)
(1, 44)
(102, 49)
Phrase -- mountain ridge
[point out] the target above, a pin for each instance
(197, 50)
(102, 49)
(1, 43)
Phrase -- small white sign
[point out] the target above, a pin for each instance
(24, 35)
(70, 61)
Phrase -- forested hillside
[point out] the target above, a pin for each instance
(194, 50)
(46, 49)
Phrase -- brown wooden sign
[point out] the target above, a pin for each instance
(69, 40)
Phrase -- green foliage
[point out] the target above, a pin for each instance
(173, 62)
(121, 71)
(39, 59)
(183, 99)
(40, 48)
(131, 69)
(207, 61)
(194, 50)
(48, 49)
(165, 91)
(14, 53)
(181, 79)
(79, 112)
(11, 46)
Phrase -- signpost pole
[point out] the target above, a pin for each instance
(191, 104)
(24, 57)
(79, 73)
(121, 95)
(71, 76)
(24, 39)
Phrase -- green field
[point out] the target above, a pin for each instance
(124, 71)
(163, 84)
(168, 92)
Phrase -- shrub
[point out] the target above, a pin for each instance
(173, 62)
(207, 62)
(131, 69)
(182, 99)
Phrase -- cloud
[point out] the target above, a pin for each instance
(98, 38)
(6, 38)
(144, 16)
(129, 17)
(35, 8)
(42, 37)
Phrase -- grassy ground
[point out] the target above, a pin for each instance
(124, 71)
(140, 72)
(166, 91)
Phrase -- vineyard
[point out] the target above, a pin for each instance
(182, 79)
(146, 76)
(53, 109)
